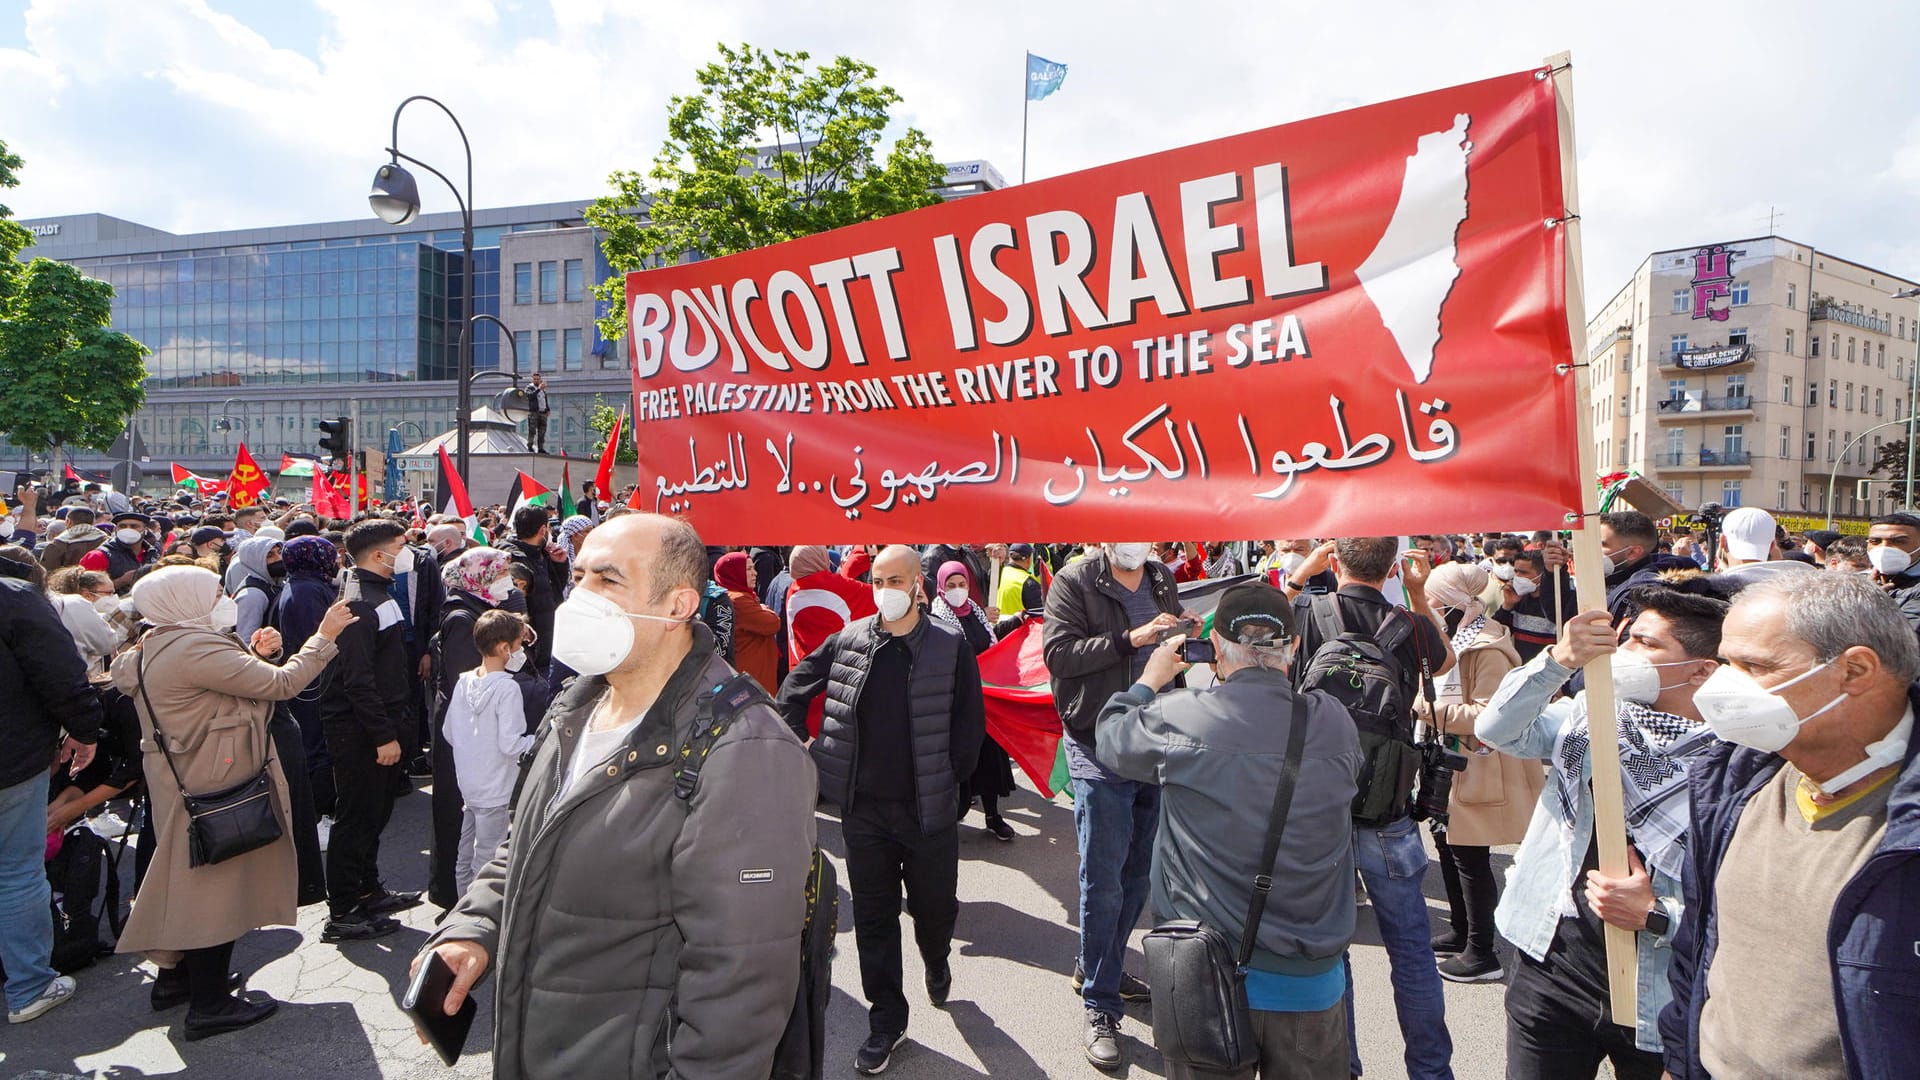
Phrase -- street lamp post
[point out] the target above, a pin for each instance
(395, 199)
(1833, 475)
(1913, 394)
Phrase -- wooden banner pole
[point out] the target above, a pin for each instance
(1609, 812)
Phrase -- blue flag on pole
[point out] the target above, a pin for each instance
(1044, 76)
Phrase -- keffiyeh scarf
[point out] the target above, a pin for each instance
(1654, 748)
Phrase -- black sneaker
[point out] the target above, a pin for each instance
(939, 985)
(1472, 967)
(1451, 943)
(998, 826)
(357, 927)
(1131, 988)
(389, 903)
(876, 1052)
(1103, 1040)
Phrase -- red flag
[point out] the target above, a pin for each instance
(818, 605)
(603, 480)
(246, 482)
(635, 502)
(182, 477)
(328, 502)
(67, 473)
(1020, 713)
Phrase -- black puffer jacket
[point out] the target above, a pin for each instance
(43, 682)
(1087, 650)
(949, 712)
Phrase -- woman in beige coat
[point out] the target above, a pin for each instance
(213, 700)
(1492, 801)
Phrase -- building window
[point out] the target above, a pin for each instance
(576, 281)
(1813, 345)
(523, 349)
(1676, 444)
(1833, 393)
(1836, 347)
(549, 350)
(1729, 493)
(1846, 451)
(1903, 326)
(1883, 358)
(1736, 386)
(1681, 299)
(1786, 442)
(1789, 343)
(1676, 389)
(1849, 398)
(1740, 292)
(1849, 350)
(1811, 438)
(1898, 367)
(523, 283)
(1786, 394)
(1733, 439)
(1792, 296)
(1780, 498)
(1737, 336)
(1677, 344)
(570, 351)
(1879, 402)
(1830, 443)
(549, 282)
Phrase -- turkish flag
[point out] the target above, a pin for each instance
(246, 482)
(1020, 713)
(328, 502)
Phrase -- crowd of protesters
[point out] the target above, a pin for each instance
(627, 731)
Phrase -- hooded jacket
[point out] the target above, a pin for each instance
(65, 550)
(251, 585)
(617, 898)
(487, 730)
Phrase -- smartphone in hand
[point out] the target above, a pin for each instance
(425, 1001)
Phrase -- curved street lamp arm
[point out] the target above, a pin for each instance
(1833, 475)
(513, 350)
(466, 215)
(465, 145)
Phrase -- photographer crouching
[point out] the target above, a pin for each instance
(1247, 768)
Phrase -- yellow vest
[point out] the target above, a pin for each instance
(1013, 582)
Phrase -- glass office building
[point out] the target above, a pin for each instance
(257, 334)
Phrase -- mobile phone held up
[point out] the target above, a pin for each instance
(1197, 650)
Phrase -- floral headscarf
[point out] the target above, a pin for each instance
(313, 556)
(475, 571)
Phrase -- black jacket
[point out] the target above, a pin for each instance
(949, 712)
(1087, 651)
(543, 596)
(43, 682)
(364, 692)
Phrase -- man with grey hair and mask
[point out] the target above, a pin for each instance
(1104, 617)
(1795, 953)
(1218, 755)
(903, 721)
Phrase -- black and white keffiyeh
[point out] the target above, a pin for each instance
(1654, 748)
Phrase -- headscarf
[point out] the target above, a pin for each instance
(807, 560)
(947, 570)
(571, 528)
(475, 571)
(731, 572)
(250, 560)
(1458, 586)
(177, 596)
(311, 555)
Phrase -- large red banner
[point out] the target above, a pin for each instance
(1351, 325)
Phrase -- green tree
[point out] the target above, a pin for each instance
(70, 379)
(706, 191)
(600, 421)
(1892, 463)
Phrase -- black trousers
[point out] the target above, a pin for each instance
(448, 807)
(537, 432)
(1472, 891)
(885, 852)
(313, 740)
(362, 803)
(1551, 1038)
(309, 859)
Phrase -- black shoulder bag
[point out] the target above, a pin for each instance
(1200, 1014)
(225, 823)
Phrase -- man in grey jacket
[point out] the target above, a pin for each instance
(1216, 754)
(619, 891)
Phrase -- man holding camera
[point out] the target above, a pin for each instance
(1217, 754)
(1410, 644)
(1558, 1023)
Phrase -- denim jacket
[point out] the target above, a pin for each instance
(1524, 721)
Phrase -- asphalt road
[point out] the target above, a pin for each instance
(1012, 1016)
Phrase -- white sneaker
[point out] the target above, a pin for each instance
(325, 829)
(58, 993)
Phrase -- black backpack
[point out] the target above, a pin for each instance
(1366, 674)
(86, 892)
(801, 1053)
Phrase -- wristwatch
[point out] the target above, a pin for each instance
(1657, 922)
(1287, 583)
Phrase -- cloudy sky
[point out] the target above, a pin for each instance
(205, 114)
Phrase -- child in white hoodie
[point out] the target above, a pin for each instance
(486, 728)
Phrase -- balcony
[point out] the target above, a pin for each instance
(1825, 307)
(1703, 460)
(1708, 358)
(1694, 408)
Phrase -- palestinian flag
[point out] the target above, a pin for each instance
(202, 486)
(567, 508)
(530, 492)
(295, 466)
(451, 496)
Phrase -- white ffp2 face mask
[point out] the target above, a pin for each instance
(1740, 710)
(129, 537)
(1525, 586)
(1131, 556)
(225, 614)
(893, 603)
(1637, 679)
(955, 598)
(592, 634)
(1889, 560)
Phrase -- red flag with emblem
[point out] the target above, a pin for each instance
(246, 482)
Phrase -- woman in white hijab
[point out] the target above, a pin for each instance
(212, 698)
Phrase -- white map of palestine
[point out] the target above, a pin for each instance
(1412, 269)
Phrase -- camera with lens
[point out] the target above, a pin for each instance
(1437, 766)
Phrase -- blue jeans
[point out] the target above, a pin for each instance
(26, 913)
(1393, 863)
(1114, 821)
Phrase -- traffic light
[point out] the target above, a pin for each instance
(336, 440)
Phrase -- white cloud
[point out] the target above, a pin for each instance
(1691, 124)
